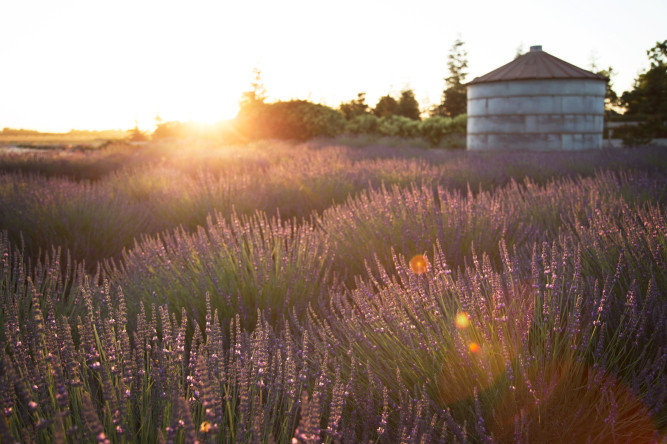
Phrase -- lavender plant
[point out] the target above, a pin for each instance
(408, 220)
(514, 312)
(245, 264)
(164, 185)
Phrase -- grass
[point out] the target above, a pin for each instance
(268, 293)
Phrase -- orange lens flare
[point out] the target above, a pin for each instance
(419, 264)
(473, 347)
(462, 320)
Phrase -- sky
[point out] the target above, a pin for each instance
(107, 64)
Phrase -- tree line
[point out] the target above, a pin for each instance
(301, 120)
(402, 116)
(646, 102)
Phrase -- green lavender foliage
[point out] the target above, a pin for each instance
(245, 264)
(169, 184)
(407, 221)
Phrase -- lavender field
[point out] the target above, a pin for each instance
(187, 292)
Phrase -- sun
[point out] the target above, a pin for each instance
(212, 112)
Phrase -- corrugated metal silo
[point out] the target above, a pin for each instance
(536, 102)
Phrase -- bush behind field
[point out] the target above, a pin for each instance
(302, 120)
(437, 131)
(292, 120)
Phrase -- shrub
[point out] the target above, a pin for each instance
(169, 130)
(296, 119)
(398, 126)
(633, 136)
(459, 124)
(363, 124)
(435, 128)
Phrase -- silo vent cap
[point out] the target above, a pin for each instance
(536, 48)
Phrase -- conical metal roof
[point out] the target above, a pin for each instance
(536, 64)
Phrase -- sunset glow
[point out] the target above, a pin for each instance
(87, 65)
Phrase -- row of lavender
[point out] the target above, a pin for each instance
(163, 186)
(540, 313)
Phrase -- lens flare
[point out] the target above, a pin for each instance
(473, 347)
(419, 264)
(466, 367)
(462, 320)
(593, 404)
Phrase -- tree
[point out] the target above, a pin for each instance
(454, 97)
(519, 51)
(648, 98)
(355, 107)
(408, 105)
(611, 99)
(295, 119)
(658, 54)
(649, 93)
(386, 106)
(256, 95)
(136, 135)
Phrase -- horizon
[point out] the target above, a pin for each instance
(92, 67)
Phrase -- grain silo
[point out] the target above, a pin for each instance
(536, 102)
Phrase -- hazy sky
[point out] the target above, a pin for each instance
(102, 64)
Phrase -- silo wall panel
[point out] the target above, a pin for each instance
(476, 141)
(567, 141)
(536, 141)
(577, 123)
(583, 105)
(477, 107)
(525, 105)
(593, 141)
(549, 123)
(573, 104)
(596, 88)
(494, 124)
(525, 141)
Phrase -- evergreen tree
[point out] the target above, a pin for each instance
(386, 106)
(136, 135)
(454, 97)
(519, 51)
(256, 95)
(354, 108)
(408, 105)
(611, 99)
(648, 98)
